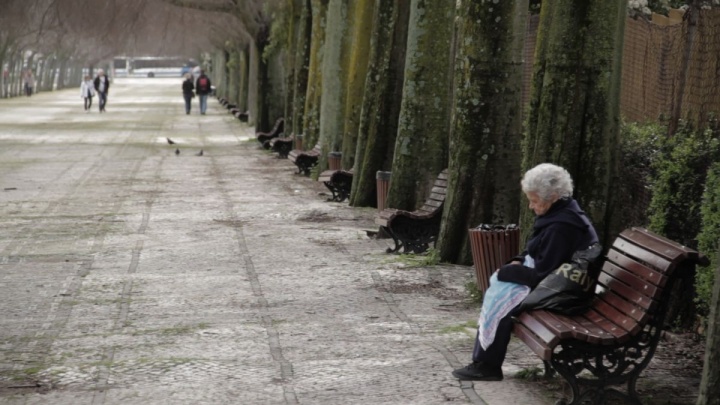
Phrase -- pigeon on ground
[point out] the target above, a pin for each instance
(170, 141)
(177, 151)
(199, 153)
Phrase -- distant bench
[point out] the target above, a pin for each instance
(615, 339)
(282, 146)
(305, 160)
(415, 231)
(265, 137)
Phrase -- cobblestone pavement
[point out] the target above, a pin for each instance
(132, 275)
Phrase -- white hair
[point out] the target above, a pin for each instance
(547, 181)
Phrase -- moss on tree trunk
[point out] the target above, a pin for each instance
(381, 102)
(299, 83)
(354, 67)
(486, 123)
(421, 146)
(311, 120)
(574, 111)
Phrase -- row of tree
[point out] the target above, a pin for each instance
(416, 86)
(59, 40)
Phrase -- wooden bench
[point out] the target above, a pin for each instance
(415, 231)
(305, 160)
(339, 182)
(614, 340)
(282, 146)
(264, 137)
(243, 116)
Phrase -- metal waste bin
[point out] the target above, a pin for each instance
(492, 246)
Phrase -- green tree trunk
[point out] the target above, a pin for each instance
(381, 103)
(219, 74)
(256, 76)
(313, 97)
(574, 109)
(483, 184)
(421, 146)
(292, 9)
(334, 86)
(243, 80)
(356, 67)
(299, 83)
(233, 66)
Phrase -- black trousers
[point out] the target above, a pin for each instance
(88, 102)
(494, 355)
(102, 99)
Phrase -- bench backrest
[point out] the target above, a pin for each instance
(634, 284)
(279, 126)
(437, 195)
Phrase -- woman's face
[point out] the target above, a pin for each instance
(537, 204)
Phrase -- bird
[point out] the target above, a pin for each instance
(199, 153)
(177, 151)
(170, 141)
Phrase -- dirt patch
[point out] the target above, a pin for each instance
(434, 288)
(315, 216)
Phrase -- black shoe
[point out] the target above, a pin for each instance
(477, 371)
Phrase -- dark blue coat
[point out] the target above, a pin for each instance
(560, 232)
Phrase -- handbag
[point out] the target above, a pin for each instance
(570, 288)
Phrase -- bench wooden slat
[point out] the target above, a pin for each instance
(538, 328)
(615, 316)
(657, 245)
(658, 263)
(532, 341)
(637, 268)
(433, 203)
(625, 306)
(628, 286)
(562, 330)
(595, 333)
(620, 334)
(587, 333)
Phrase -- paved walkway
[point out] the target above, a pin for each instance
(130, 275)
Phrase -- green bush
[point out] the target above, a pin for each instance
(708, 238)
(678, 179)
(684, 207)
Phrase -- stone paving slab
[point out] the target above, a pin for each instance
(130, 275)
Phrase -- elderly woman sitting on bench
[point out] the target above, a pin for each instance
(560, 229)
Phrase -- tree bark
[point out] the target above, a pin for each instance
(710, 384)
(334, 86)
(299, 82)
(483, 184)
(574, 109)
(313, 97)
(421, 146)
(355, 66)
(381, 103)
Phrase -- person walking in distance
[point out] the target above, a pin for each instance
(29, 82)
(102, 86)
(187, 89)
(202, 89)
(87, 91)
